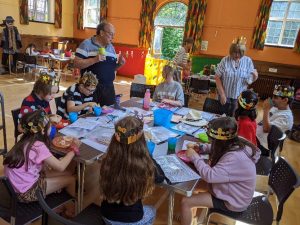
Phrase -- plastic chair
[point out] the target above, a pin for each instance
(89, 216)
(15, 115)
(275, 139)
(283, 180)
(212, 106)
(3, 126)
(17, 213)
(138, 90)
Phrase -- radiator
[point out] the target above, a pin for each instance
(264, 85)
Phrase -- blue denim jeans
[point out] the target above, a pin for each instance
(148, 218)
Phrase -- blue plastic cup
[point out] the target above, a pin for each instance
(172, 145)
(73, 116)
(162, 117)
(150, 146)
(97, 110)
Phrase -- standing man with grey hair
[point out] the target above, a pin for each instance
(233, 75)
(98, 55)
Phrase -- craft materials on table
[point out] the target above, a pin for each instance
(175, 170)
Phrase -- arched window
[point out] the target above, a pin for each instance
(169, 28)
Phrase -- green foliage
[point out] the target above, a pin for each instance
(171, 41)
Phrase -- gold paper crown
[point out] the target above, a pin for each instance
(243, 103)
(221, 135)
(37, 124)
(284, 91)
(240, 40)
(47, 79)
(128, 137)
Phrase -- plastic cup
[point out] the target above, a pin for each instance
(203, 137)
(150, 146)
(97, 110)
(73, 116)
(172, 145)
(162, 117)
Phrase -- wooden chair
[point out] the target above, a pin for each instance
(15, 115)
(3, 150)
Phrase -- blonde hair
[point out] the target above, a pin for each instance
(168, 69)
(88, 79)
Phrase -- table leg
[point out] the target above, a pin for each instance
(78, 187)
(82, 185)
(171, 207)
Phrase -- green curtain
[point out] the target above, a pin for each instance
(58, 14)
(262, 18)
(195, 21)
(24, 19)
(103, 10)
(297, 43)
(80, 14)
(146, 22)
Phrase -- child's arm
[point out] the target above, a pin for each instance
(60, 165)
(71, 107)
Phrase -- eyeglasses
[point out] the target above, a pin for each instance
(89, 90)
(111, 34)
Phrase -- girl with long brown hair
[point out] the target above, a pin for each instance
(230, 172)
(127, 176)
(25, 163)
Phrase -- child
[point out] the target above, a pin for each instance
(30, 50)
(43, 92)
(79, 97)
(127, 176)
(24, 163)
(230, 173)
(246, 114)
(169, 91)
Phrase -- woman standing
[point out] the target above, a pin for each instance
(234, 73)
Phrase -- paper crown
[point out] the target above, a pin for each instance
(47, 78)
(37, 124)
(219, 134)
(240, 40)
(284, 91)
(128, 136)
(88, 79)
(246, 104)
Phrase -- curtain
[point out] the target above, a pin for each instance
(24, 19)
(195, 21)
(58, 14)
(297, 43)
(262, 18)
(103, 10)
(146, 22)
(80, 14)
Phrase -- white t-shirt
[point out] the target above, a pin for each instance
(283, 119)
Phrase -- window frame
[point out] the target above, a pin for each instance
(84, 15)
(49, 12)
(284, 20)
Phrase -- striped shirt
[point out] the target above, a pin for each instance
(104, 70)
(181, 56)
(73, 94)
(235, 78)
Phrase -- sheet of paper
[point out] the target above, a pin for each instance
(84, 123)
(159, 134)
(182, 111)
(188, 129)
(175, 170)
(74, 132)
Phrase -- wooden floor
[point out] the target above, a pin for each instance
(14, 89)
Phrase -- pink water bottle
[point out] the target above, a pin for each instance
(146, 103)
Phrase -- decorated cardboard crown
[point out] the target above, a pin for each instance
(221, 134)
(37, 124)
(128, 136)
(284, 91)
(47, 78)
(240, 40)
(247, 104)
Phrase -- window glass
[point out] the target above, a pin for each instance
(284, 23)
(91, 13)
(41, 10)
